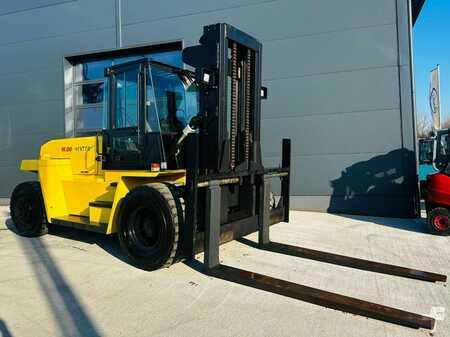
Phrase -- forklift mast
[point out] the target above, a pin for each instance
(228, 69)
(226, 183)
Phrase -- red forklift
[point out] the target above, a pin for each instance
(437, 198)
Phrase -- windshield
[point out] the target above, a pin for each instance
(175, 98)
(426, 150)
(444, 144)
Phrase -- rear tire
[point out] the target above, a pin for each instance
(149, 222)
(27, 209)
(438, 221)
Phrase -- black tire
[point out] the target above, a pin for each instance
(27, 209)
(438, 221)
(149, 224)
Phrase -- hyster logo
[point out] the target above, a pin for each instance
(83, 148)
(79, 148)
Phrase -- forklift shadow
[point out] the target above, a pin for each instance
(69, 313)
(4, 331)
(383, 186)
(108, 243)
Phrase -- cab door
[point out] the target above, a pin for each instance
(124, 140)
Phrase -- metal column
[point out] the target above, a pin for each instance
(191, 196)
(212, 225)
(264, 211)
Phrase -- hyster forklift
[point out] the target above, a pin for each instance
(178, 171)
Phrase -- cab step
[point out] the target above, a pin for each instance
(80, 222)
(101, 204)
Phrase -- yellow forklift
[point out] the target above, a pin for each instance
(178, 171)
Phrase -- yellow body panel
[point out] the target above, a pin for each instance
(29, 165)
(71, 177)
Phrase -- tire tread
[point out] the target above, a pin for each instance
(174, 212)
(35, 187)
(430, 219)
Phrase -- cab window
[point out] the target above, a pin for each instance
(176, 100)
(126, 99)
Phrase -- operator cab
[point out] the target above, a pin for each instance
(442, 156)
(149, 105)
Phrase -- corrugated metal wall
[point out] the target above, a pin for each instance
(338, 74)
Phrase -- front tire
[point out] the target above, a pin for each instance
(439, 221)
(149, 221)
(27, 209)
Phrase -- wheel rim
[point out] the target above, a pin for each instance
(441, 222)
(145, 231)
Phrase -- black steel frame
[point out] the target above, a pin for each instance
(209, 156)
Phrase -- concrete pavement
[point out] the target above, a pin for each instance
(73, 283)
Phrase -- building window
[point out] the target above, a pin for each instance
(86, 88)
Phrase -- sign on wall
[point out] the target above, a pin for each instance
(435, 100)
